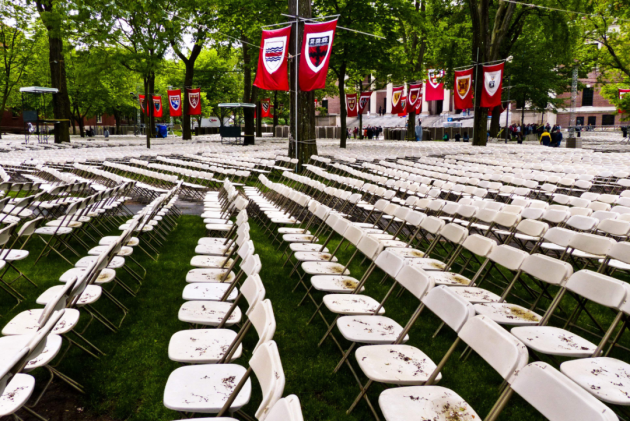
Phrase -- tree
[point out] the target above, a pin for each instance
(53, 16)
(16, 48)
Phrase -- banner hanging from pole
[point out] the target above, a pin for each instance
(175, 103)
(351, 105)
(403, 106)
(414, 95)
(435, 88)
(622, 93)
(463, 89)
(141, 101)
(157, 106)
(194, 101)
(397, 94)
(272, 61)
(492, 85)
(364, 101)
(265, 105)
(316, 48)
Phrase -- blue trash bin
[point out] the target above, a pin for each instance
(162, 131)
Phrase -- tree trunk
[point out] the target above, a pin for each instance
(117, 118)
(495, 123)
(342, 105)
(247, 95)
(411, 124)
(81, 123)
(361, 125)
(188, 81)
(61, 101)
(275, 112)
(148, 106)
(255, 100)
(302, 127)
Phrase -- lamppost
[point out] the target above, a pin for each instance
(136, 97)
(507, 113)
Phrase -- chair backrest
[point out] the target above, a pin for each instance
(266, 364)
(509, 257)
(432, 224)
(415, 218)
(479, 245)
(454, 233)
(354, 234)
(614, 227)
(557, 397)
(55, 304)
(495, 345)
(390, 263)
(286, 409)
(414, 280)
(507, 219)
(547, 269)
(370, 247)
(251, 265)
(559, 236)
(591, 243)
(582, 223)
(263, 320)
(601, 289)
(454, 310)
(253, 290)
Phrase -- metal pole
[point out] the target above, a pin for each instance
(297, 86)
(507, 114)
(475, 96)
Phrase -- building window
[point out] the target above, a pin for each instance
(579, 121)
(608, 120)
(587, 97)
(592, 121)
(325, 104)
(99, 119)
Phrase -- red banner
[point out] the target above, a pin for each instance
(157, 106)
(265, 106)
(364, 101)
(316, 48)
(414, 97)
(492, 85)
(175, 103)
(272, 60)
(141, 101)
(194, 101)
(351, 105)
(622, 93)
(397, 95)
(403, 105)
(435, 88)
(463, 89)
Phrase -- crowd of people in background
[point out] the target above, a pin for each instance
(370, 132)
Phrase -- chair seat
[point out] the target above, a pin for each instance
(402, 365)
(298, 238)
(308, 247)
(427, 264)
(393, 243)
(476, 295)
(64, 223)
(116, 263)
(585, 255)
(106, 275)
(201, 346)
(363, 224)
(407, 252)
(209, 275)
(605, 378)
(17, 211)
(208, 291)
(98, 250)
(433, 403)
(335, 284)
(209, 313)
(554, 341)
(382, 237)
(13, 255)
(106, 241)
(314, 256)
(218, 227)
(53, 230)
(213, 250)
(17, 391)
(287, 221)
(293, 231)
(618, 264)
(11, 345)
(205, 388)
(352, 304)
(449, 279)
(218, 221)
(370, 329)
(211, 262)
(213, 241)
(27, 322)
(508, 314)
(324, 268)
(552, 246)
(90, 295)
(8, 219)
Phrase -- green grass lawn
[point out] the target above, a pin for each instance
(128, 382)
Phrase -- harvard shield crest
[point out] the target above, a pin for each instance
(193, 99)
(175, 101)
(274, 53)
(318, 49)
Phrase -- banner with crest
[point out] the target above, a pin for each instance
(403, 106)
(397, 94)
(622, 93)
(351, 105)
(194, 101)
(492, 85)
(316, 48)
(265, 106)
(175, 103)
(414, 96)
(435, 85)
(364, 102)
(157, 106)
(463, 89)
(272, 61)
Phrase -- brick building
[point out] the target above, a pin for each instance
(590, 107)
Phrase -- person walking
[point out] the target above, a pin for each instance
(557, 138)
(545, 138)
(419, 131)
(466, 138)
